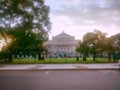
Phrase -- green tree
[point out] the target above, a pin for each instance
(84, 49)
(116, 41)
(108, 47)
(95, 41)
(27, 21)
(116, 44)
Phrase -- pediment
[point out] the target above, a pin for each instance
(63, 36)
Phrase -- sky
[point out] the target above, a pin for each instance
(78, 17)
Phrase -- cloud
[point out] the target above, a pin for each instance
(85, 15)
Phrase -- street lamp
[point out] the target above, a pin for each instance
(93, 48)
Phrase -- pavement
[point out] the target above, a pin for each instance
(27, 67)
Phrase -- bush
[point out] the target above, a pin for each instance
(2, 55)
(5, 56)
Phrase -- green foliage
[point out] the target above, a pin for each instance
(6, 56)
(93, 42)
(116, 42)
(96, 42)
(27, 22)
(96, 39)
(84, 49)
(27, 14)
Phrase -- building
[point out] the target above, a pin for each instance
(62, 45)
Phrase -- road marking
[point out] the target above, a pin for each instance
(47, 72)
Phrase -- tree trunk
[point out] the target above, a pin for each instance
(39, 56)
(94, 56)
(10, 57)
(84, 57)
(109, 57)
(114, 57)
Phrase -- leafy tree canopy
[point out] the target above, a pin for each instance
(116, 42)
(92, 42)
(26, 21)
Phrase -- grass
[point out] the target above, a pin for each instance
(60, 61)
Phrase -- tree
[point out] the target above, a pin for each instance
(95, 41)
(84, 49)
(116, 45)
(116, 41)
(27, 21)
(108, 47)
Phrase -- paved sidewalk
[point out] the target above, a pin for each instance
(61, 67)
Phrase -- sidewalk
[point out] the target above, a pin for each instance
(33, 67)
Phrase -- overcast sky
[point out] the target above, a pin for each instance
(77, 17)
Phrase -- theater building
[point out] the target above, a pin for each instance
(62, 45)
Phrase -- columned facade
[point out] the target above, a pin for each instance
(62, 45)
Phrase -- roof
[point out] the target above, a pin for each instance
(63, 35)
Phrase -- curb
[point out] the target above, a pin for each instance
(61, 69)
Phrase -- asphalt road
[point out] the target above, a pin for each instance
(60, 80)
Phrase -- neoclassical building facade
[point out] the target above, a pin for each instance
(62, 45)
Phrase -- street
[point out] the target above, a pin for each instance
(60, 80)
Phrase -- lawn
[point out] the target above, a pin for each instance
(60, 61)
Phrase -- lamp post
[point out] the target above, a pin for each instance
(94, 53)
